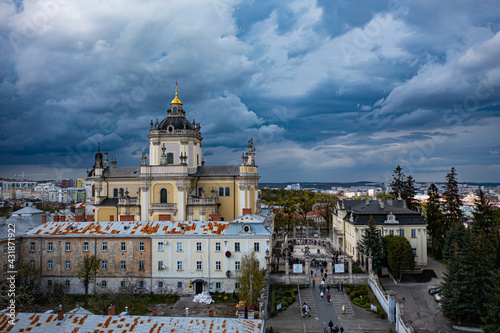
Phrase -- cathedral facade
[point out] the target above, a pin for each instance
(174, 183)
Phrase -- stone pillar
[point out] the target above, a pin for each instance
(181, 205)
(370, 267)
(350, 270)
(307, 259)
(329, 269)
(287, 269)
(239, 211)
(392, 306)
(144, 203)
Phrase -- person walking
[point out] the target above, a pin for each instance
(321, 294)
(328, 297)
(314, 283)
(320, 287)
(341, 329)
(330, 325)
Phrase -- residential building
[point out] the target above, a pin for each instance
(392, 217)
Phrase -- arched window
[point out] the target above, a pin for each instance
(170, 158)
(93, 191)
(163, 195)
(221, 191)
(228, 192)
(197, 159)
(115, 193)
(121, 192)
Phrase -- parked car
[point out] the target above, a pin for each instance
(434, 290)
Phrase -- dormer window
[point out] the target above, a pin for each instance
(391, 218)
(246, 229)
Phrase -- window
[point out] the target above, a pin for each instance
(86, 246)
(163, 195)
(217, 285)
(104, 284)
(50, 264)
(141, 246)
(179, 246)
(179, 265)
(5, 249)
(122, 284)
(237, 247)
(49, 283)
(236, 285)
(115, 193)
(32, 263)
(402, 232)
(413, 233)
(123, 265)
(5, 269)
(256, 247)
(67, 264)
(218, 266)
(141, 284)
(221, 191)
(68, 246)
(161, 267)
(67, 283)
(200, 191)
(160, 284)
(237, 265)
(104, 246)
(198, 246)
(142, 265)
(170, 158)
(123, 247)
(227, 192)
(217, 246)
(198, 265)
(32, 246)
(414, 252)
(104, 265)
(121, 192)
(161, 248)
(391, 232)
(179, 284)
(50, 246)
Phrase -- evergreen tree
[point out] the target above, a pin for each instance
(398, 183)
(371, 243)
(434, 218)
(399, 254)
(483, 213)
(452, 202)
(492, 318)
(458, 289)
(409, 193)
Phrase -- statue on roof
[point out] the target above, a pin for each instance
(251, 148)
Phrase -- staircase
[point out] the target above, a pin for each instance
(339, 299)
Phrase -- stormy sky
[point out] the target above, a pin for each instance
(328, 90)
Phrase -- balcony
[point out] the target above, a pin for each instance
(128, 201)
(191, 201)
(163, 207)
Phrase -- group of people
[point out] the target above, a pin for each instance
(334, 328)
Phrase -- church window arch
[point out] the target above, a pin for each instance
(115, 193)
(163, 195)
(227, 192)
(170, 158)
(121, 192)
(93, 190)
(221, 191)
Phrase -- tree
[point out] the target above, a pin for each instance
(492, 318)
(371, 244)
(305, 204)
(251, 279)
(326, 204)
(398, 183)
(452, 201)
(399, 254)
(483, 213)
(434, 218)
(87, 269)
(409, 193)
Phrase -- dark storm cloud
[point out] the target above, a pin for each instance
(329, 90)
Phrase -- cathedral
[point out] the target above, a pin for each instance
(174, 183)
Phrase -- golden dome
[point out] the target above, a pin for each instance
(176, 100)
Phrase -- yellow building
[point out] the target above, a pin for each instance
(79, 182)
(174, 184)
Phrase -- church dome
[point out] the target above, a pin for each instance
(175, 123)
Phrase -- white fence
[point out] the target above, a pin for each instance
(380, 294)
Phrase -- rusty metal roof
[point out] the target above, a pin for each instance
(81, 323)
(131, 228)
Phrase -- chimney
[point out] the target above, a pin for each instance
(63, 218)
(90, 218)
(247, 211)
(60, 313)
(44, 219)
(155, 311)
(111, 310)
(78, 218)
(111, 217)
(56, 218)
(215, 217)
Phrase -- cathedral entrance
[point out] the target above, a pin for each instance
(198, 287)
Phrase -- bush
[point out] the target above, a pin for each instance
(347, 290)
(354, 294)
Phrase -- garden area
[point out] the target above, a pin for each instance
(362, 296)
(282, 296)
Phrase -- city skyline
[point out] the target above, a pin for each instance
(329, 91)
